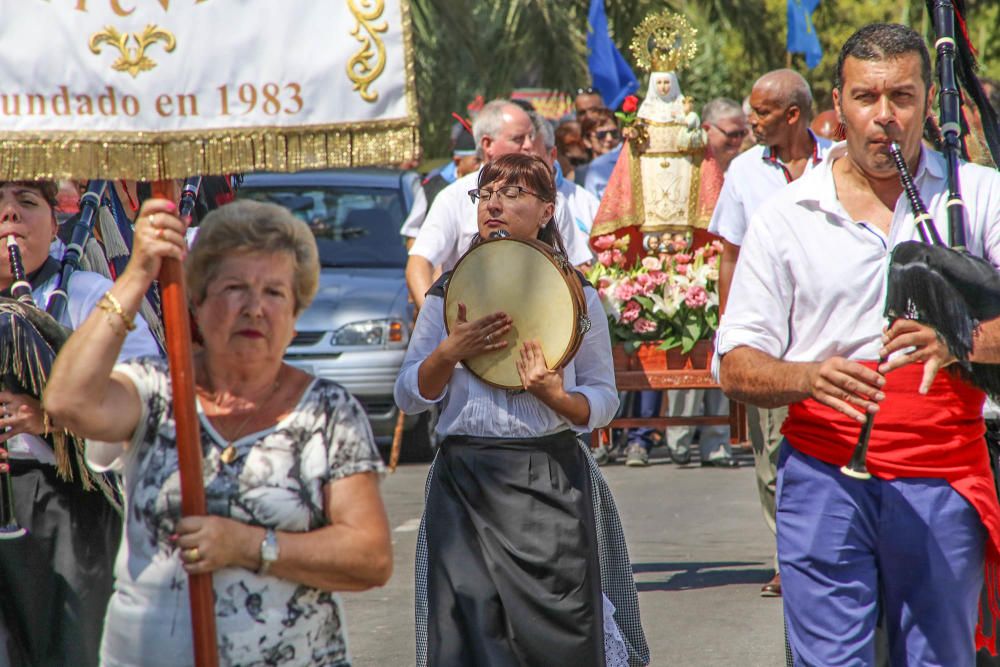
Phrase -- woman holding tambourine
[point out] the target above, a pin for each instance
(513, 575)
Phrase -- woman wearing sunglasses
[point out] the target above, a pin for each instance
(600, 132)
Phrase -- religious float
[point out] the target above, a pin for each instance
(657, 267)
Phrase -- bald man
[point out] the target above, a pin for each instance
(780, 111)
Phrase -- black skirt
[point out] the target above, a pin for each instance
(513, 573)
(55, 581)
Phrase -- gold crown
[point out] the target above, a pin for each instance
(664, 42)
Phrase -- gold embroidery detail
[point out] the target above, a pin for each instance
(133, 60)
(152, 156)
(359, 67)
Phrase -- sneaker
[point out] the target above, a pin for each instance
(603, 455)
(636, 455)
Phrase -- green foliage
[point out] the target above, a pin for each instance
(490, 47)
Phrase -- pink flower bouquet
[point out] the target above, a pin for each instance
(669, 298)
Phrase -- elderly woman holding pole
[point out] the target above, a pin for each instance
(290, 467)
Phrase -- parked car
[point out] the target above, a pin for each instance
(356, 330)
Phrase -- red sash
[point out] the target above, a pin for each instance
(939, 435)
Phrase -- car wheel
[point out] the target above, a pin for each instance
(420, 441)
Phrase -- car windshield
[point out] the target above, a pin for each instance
(354, 226)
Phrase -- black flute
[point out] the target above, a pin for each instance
(21, 291)
(928, 233)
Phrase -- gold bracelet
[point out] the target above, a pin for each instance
(117, 325)
(110, 304)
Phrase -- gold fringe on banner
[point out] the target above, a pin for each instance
(214, 152)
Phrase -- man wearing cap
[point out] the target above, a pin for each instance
(464, 160)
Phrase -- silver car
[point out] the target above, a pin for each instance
(356, 330)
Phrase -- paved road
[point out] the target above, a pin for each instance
(700, 552)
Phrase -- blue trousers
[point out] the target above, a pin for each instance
(850, 550)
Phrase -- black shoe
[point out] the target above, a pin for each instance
(727, 462)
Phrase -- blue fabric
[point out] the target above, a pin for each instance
(609, 73)
(802, 37)
(910, 549)
(646, 404)
(599, 171)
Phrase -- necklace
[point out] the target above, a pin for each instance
(229, 452)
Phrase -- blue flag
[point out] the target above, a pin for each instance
(609, 73)
(802, 37)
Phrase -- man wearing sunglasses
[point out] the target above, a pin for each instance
(781, 108)
(725, 127)
(501, 127)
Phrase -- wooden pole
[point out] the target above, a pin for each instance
(177, 325)
(397, 442)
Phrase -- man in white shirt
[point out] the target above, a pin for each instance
(781, 107)
(501, 127)
(581, 205)
(804, 328)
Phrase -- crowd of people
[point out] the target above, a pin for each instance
(521, 556)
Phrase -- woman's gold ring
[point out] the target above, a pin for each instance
(152, 220)
(160, 232)
(191, 555)
(489, 339)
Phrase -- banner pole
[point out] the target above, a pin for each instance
(177, 325)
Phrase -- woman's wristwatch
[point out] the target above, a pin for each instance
(269, 551)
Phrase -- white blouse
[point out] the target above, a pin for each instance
(469, 406)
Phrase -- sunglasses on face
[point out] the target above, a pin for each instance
(734, 134)
(577, 161)
(604, 134)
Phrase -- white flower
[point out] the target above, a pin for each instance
(665, 306)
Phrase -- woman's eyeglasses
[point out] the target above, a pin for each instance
(732, 135)
(604, 134)
(586, 91)
(508, 192)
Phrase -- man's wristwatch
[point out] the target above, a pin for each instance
(268, 551)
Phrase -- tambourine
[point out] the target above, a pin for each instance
(537, 287)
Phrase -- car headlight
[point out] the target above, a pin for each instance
(372, 332)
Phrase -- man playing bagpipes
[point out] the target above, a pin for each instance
(804, 327)
(55, 580)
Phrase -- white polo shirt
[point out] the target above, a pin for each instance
(811, 282)
(452, 222)
(751, 179)
(581, 204)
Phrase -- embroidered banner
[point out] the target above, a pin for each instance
(154, 89)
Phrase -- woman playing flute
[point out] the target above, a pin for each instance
(73, 532)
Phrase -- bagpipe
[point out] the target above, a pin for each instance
(941, 284)
(31, 337)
